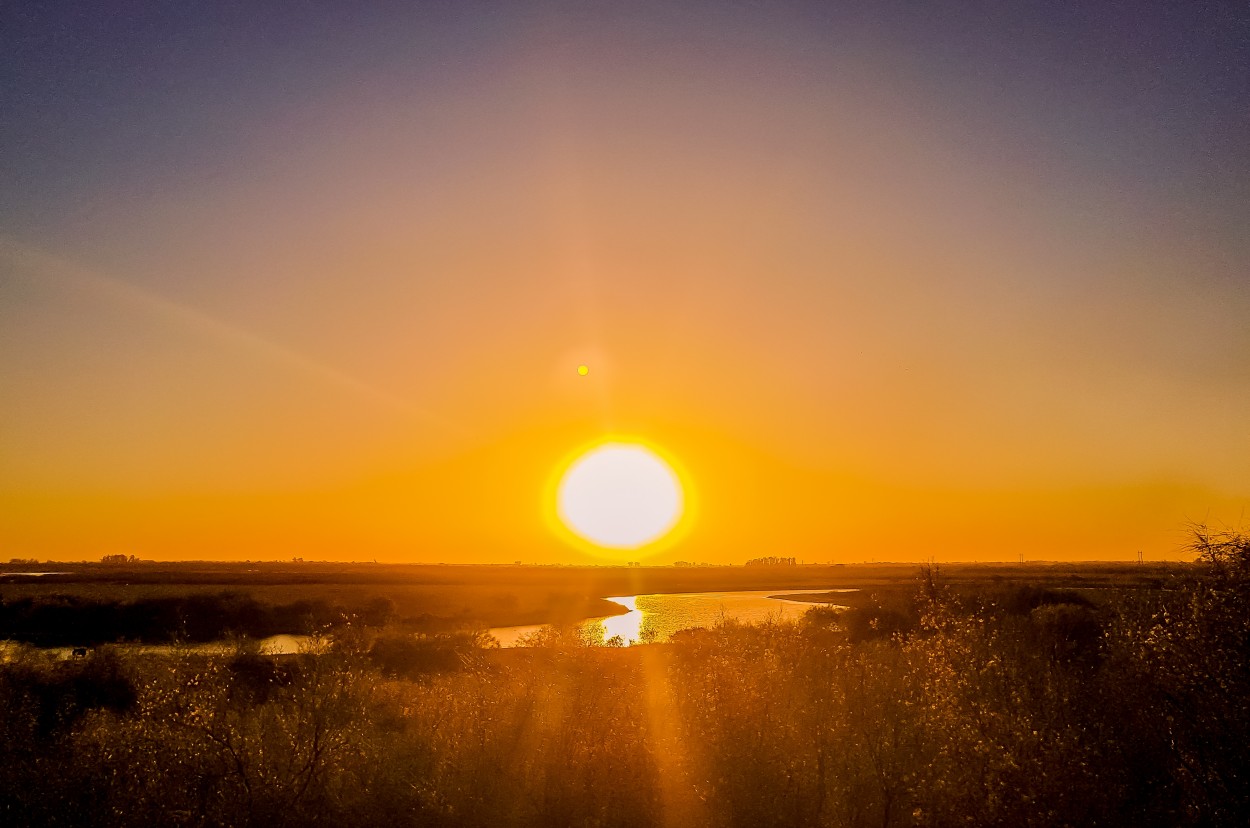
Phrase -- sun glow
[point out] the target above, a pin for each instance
(619, 496)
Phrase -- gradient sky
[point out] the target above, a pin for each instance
(890, 281)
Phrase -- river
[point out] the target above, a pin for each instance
(649, 618)
(654, 618)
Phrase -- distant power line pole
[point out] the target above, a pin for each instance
(1139, 557)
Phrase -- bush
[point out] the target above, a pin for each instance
(54, 696)
(1131, 712)
(415, 655)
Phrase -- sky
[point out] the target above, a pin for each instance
(888, 281)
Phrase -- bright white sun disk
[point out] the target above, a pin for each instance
(619, 496)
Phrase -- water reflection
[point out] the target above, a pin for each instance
(654, 618)
(627, 627)
(273, 645)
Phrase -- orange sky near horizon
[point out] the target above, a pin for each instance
(871, 315)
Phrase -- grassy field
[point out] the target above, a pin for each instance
(487, 596)
(988, 696)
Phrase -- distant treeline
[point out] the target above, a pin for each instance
(70, 621)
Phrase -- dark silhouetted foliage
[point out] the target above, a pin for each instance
(64, 621)
(414, 655)
(1017, 707)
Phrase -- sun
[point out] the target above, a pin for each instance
(620, 496)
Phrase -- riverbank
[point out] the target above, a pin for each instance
(203, 601)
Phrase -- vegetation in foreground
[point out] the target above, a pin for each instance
(1016, 706)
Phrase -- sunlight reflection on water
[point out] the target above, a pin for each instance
(273, 645)
(657, 617)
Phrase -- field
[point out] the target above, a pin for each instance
(979, 695)
(438, 598)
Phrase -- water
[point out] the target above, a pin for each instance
(273, 645)
(657, 617)
(649, 618)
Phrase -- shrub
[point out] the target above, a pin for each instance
(415, 655)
